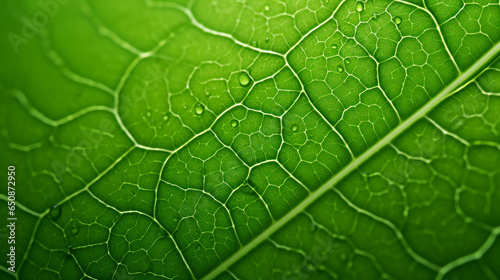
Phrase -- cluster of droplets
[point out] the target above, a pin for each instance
(360, 7)
(55, 213)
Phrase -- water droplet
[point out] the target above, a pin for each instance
(148, 114)
(348, 61)
(207, 93)
(234, 123)
(175, 220)
(197, 233)
(310, 266)
(334, 46)
(244, 79)
(254, 43)
(267, 39)
(75, 229)
(295, 128)
(343, 256)
(132, 193)
(55, 212)
(165, 117)
(199, 109)
(185, 106)
(360, 6)
(160, 127)
(340, 69)
(374, 16)
(267, 8)
(198, 248)
(397, 20)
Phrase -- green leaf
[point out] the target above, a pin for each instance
(312, 139)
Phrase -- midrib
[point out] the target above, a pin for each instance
(483, 61)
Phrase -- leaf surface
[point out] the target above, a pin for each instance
(252, 140)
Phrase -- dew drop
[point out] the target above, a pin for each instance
(360, 7)
(199, 109)
(295, 128)
(198, 248)
(374, 16)
(207, 93)
(75, 229)
(334, 46)
(244, 79)
(310, 266)
(348, 61)
(267, 39)
(234, 123)
(175, 220)
(185, 106)
(148, 114)
(343, 256)
(55, 212)
(397, 20)
(165, 117)
(267, 8)
(340, 69)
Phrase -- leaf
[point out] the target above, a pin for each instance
(251, 140)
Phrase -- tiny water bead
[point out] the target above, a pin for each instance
(165, 117)
(360, 6)
(311, 266)
(234, 123)
(175, 220)
(55, 212)
(340, 69)
(244, 79)
(348, 61)
(75, 229)
(343, 256)
(198, 248)
(267, 8)
(295, 128)
(148, 114)
(199, 109)
(207, 93)
(334, 46)
(397, 20)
